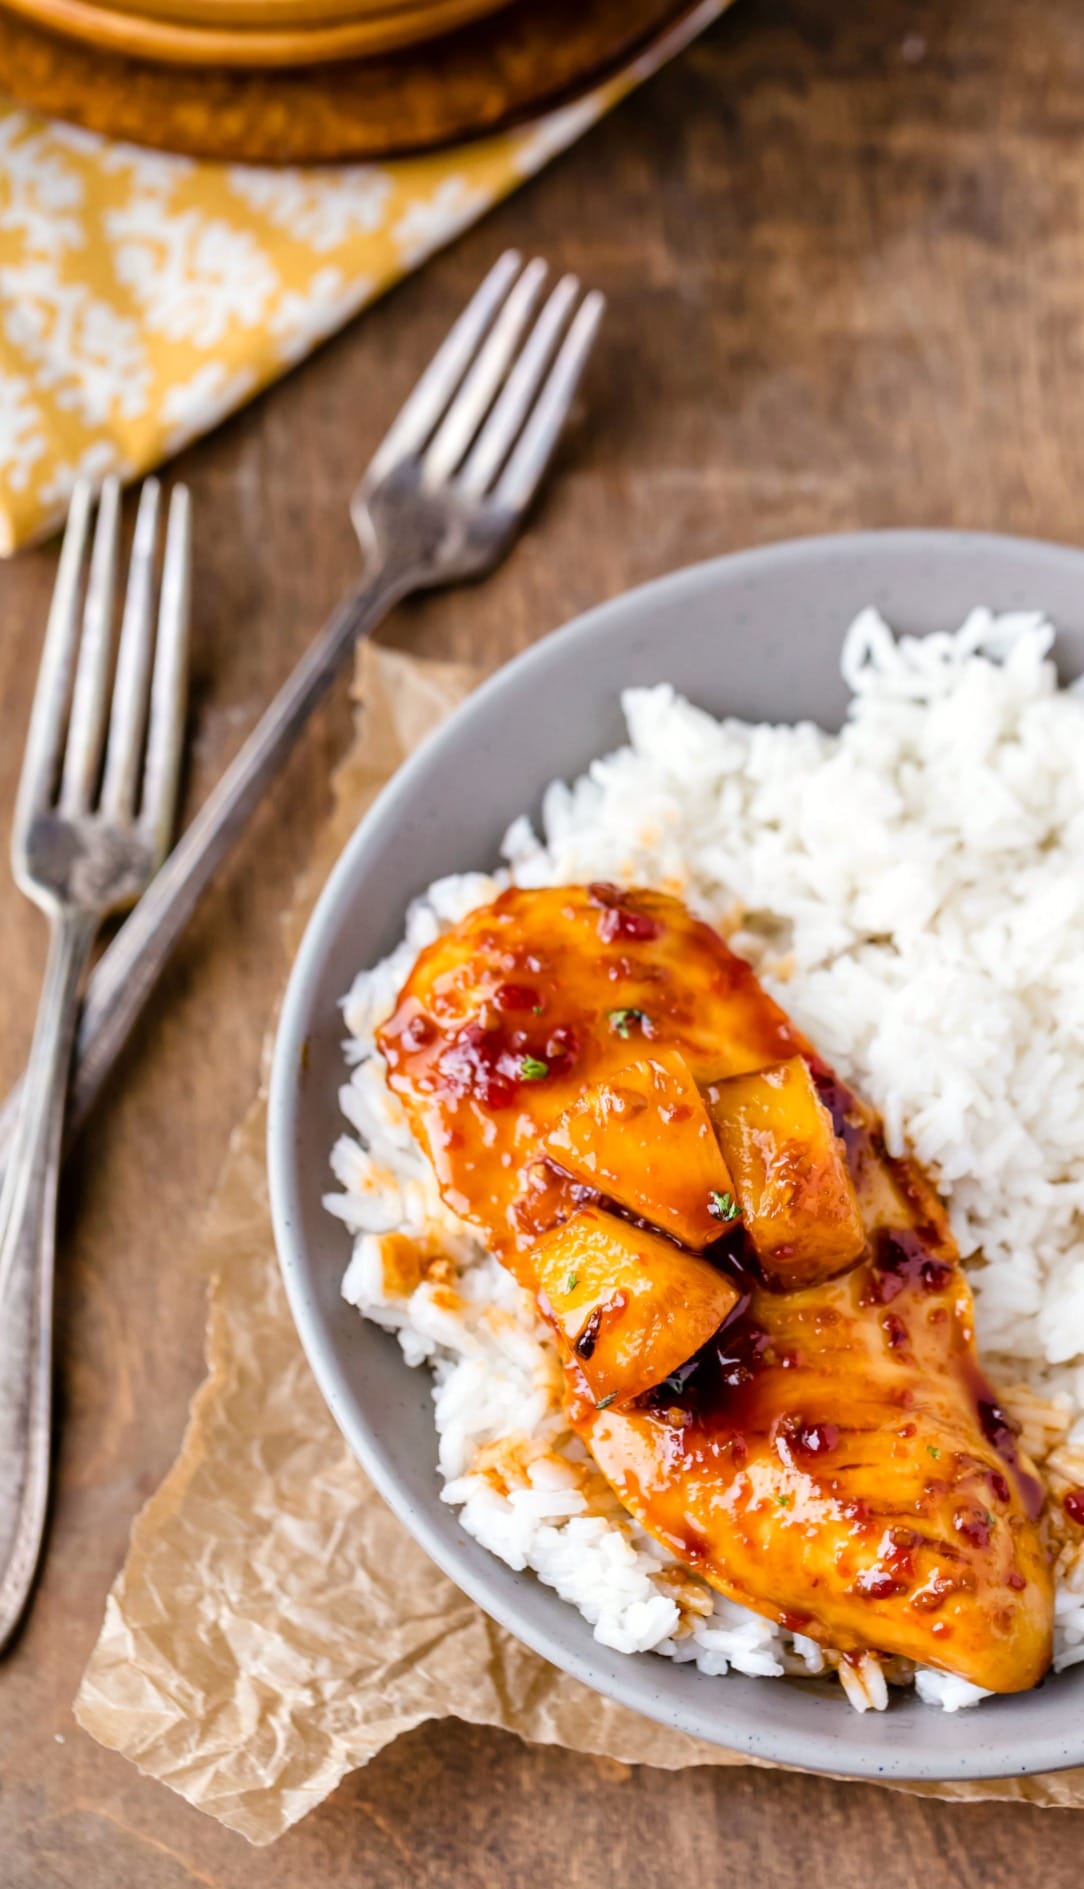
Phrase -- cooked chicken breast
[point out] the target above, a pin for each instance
(829, 1454)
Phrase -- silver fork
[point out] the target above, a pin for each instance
(93, 819)
(442, 500)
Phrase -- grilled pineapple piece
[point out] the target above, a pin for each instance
(790, 1173)
(628, 1306)
(642, 1137)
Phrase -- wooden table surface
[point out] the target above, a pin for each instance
(844, 247)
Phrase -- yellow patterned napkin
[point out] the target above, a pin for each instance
(143, 298)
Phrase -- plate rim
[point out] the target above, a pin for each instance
(159, 39)
(817, 1752)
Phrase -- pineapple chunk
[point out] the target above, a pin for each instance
(790, 1174)
(642, 1136)
(628, 1305)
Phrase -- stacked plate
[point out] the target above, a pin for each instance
(252, 32)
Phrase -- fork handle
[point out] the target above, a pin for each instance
(127, 972)
(27, 1256)
(116, 993)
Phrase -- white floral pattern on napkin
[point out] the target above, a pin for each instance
(144, 297)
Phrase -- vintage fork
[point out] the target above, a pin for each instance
(442, 500)
(93, 820)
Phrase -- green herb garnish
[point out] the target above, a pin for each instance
(932, 1450)
(723, 1206)
(532, 1069)
(622, 1021)
(784, 1501)
(991, 1518)
(572, 1282)
(536, 1010)
(605, 1402)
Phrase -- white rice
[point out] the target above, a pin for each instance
(913, 892)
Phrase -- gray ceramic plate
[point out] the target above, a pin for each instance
(756, 635)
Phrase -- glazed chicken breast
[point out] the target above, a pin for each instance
(767, 1336)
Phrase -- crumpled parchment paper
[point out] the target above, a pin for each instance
(274, 1625)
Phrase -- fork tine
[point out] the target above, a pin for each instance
(513, 403)
(533, 451)
(128, 717)
(49, 715)
(424, 407)
(472, 402)
(169, 683)
(90, 695)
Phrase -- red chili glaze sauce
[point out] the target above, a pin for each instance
(802, 1460)
(832, 1454)
(610, 975)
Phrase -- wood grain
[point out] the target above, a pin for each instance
(844, 249)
